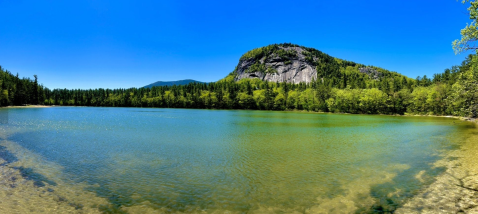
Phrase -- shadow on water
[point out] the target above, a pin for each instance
(181, 203)
(388, 201)
(38, 179)
(7, 156)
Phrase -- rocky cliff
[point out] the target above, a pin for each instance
(294, 64)
(285, 64)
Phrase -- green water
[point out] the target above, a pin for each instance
(176, 160)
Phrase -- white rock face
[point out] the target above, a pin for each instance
(298, 70)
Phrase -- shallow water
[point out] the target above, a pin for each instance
(140, 160)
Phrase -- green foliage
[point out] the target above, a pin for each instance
(337, 72)
(229, 78)
(257, 67)
(271, 70)
(19, 91)
(453, 92)
(464, 97)
(469, 34)
(258, 53)
(340, 86)
(285, 54)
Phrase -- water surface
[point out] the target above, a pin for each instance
(176, 160)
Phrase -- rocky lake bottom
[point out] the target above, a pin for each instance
(133, 160)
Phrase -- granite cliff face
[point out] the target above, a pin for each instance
(295, 64)
(287, 64)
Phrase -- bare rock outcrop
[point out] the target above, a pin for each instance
(293, 69)
(374, 74)
(295, 64)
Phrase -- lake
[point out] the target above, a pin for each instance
(140, 160)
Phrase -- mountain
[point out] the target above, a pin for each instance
(295, 64)
(291, 63)
(171, 83)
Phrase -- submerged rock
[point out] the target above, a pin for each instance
(456, 190)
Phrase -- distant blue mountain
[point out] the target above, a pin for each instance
(171, 83)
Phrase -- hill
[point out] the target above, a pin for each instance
(171, 83)
(262, 81)
(295, 64)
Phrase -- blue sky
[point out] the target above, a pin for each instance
(123, 44)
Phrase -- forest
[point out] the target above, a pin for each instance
(341, 87)
(453, 92)
(16, 91)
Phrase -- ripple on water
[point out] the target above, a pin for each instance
(194, 161)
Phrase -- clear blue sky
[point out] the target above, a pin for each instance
(122, 44)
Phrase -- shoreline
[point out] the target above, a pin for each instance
(455, 190)
(22, 194)
(29, 106)
(25, 188)
(475, 120)
(287, 110)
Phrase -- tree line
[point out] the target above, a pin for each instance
(19, 91)
(341, 86)
(453, 92)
